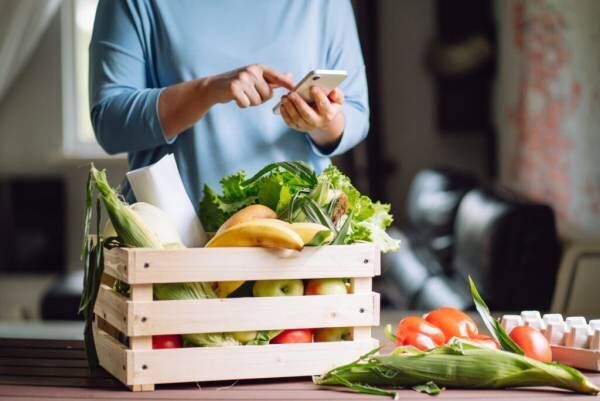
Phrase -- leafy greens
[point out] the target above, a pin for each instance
(296, 193)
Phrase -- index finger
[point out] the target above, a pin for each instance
(276, 79)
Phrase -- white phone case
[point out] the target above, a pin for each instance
(327, 80)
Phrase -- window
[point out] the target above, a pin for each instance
(77, 23)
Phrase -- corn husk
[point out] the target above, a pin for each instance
(459, 364)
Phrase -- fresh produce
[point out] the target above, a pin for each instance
(166, 341)
(415, 331)
(297, 194)
(278, 288)
(246, 214)
(326, 286)
(142, 226)
(333, 334)
(308, 232)
(293, 336)
(245, 337)
(484, 340)
(458, 364)
(268, 233)
(452, 322)
(532, 342)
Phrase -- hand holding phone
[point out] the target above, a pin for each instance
(326, 80)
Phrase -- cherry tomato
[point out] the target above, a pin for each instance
(166, 341)
(416, 339)
(419, 325)
(484, 340)
(293, 336)
(452, 322)
(532, 342)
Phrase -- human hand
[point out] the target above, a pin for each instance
(324, 121)
(248, 86)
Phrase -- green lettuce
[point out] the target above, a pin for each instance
(296, 194)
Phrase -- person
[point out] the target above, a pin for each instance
(199, 79)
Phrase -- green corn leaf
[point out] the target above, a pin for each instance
(340, 238)
(320, 238)
(315, 214)
(428, 388)
(493, 325)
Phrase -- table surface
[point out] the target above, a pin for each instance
(35, 369)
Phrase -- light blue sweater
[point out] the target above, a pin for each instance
(139, 47)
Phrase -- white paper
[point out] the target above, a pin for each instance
(160, 185)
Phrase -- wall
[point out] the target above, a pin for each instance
(30, 144)
(548, 107)
(412, 140)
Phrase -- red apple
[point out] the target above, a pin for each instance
(326, 286)
(293, 336)
(333, 334)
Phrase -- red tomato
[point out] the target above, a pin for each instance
(293, 336)
(453, 322)
(484, 340)
(419, 325)
(166, 341)
(532, 342)
(416, 339)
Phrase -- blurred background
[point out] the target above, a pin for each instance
(484, 137)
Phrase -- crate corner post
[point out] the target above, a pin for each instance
(139, 293)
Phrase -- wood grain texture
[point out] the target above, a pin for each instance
(112, 307)
(255, 313)
(117, 262)
(228, 264)
(112, 355)
(243, 362)
(141, 293)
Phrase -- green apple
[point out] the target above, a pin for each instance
(244, 336)
(278, 288)
(333, 334)
(326, 286)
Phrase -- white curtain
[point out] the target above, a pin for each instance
(22, 24)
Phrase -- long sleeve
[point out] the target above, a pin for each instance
(123, 103)
(344, 53)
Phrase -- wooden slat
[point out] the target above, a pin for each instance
(229, 264)
(362, 285)
(232, 363)
(39, 362)
(117, 262)
(111, 354)
(44, 371)
(41, 343)
(112, 307)
(260, 313)
(141, 293)
(42, 353)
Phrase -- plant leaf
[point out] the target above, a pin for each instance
(341, 235)
(493, 325)
(315, 214)
(428, 388)
(320, 238)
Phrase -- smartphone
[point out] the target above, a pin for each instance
(327, 80)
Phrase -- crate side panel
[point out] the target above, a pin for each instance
(112, 355)
(258, 313)
(244, 362)
(230, 264)
(112, 307)
(116, 263)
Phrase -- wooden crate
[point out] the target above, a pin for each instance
(139, 317)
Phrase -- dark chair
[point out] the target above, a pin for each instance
(508, 244)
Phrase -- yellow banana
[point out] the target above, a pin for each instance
(246, 214)
(307, 231)
(268, 233)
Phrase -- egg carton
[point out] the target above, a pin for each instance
(574, 341)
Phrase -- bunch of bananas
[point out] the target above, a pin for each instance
(258, 226)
